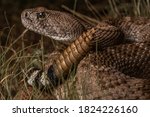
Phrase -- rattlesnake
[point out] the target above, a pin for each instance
(122, 64)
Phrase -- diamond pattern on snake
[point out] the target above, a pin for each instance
(118, 69)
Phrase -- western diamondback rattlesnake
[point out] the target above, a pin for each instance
(122, 65)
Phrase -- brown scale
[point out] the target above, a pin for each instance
(124, 58)
(81, 46)
(130, 59)
(72, 55)
(121, 72)
(135, 29)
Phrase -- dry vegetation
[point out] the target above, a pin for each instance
(17, 56)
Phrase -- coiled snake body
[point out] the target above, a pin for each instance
(122, 64)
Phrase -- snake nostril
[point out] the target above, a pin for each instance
(26, 14)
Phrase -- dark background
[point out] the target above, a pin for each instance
(10, 11)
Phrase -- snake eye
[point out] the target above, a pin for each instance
(41, 15)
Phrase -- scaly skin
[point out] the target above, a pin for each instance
(121, 66)
(65, 27)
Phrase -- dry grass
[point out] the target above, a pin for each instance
(16, 59)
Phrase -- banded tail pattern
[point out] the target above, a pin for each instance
(74, 53)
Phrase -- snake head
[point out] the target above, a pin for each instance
(54, 24)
